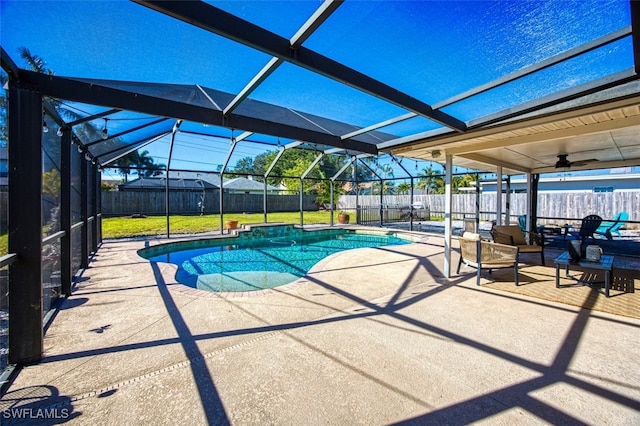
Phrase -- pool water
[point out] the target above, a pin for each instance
(264, 263)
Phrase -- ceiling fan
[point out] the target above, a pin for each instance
(564, 163)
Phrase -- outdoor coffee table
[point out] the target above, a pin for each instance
(605, 264)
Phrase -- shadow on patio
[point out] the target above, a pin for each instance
(372, 336)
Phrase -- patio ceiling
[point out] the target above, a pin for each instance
(536, 81)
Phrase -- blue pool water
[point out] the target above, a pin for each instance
(259, 263)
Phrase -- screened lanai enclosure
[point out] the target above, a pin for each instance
(222, 108)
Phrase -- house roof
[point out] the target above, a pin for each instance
(160, 183)
(244, 184)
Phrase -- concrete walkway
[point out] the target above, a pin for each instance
(371, 336)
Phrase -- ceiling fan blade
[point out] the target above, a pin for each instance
(583, 162)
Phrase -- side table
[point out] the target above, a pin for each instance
(605, 264)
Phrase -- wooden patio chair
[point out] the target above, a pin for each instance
(527, 242)
(480, 254)
(588, 227)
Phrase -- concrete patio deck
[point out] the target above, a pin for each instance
(370, 336)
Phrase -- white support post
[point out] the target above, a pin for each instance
(447, 215)
(499, 197)
(529, 200)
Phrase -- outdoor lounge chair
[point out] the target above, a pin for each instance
(480, 254)
(522, 223)
(512, 235)
(588, 226)
(609, 228)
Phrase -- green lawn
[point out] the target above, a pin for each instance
(121, 227)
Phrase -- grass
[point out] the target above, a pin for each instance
(122, 227)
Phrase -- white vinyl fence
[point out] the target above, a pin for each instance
(559, 206)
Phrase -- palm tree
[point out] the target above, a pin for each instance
(430, 182)
(403, 188)
(90, 132)
(140, 161)
(36, 63)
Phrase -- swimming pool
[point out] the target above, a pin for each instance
(263, 258)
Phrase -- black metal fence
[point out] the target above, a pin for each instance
(385, 214)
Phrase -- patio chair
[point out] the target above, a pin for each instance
(512, 235)
(613, 227)
(588, 226)
(522, 223)
(481, 254)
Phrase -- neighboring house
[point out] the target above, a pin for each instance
(192, 181)
(157, 183)
(585, 183)
(243, 185)
(211, 178)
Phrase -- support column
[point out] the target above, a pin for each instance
(167, 202)
(533, 204)
(301, 191)
(499, 197)
(224, 167)
(477, 227)
(66, 275)
(529, 198)
(84, 213)
(26, 336)
(507, 205)
(357, 189)
(95, 194)
(331, 202)
(448, 202)
(381, 201)
(266, 175)
(411, 201)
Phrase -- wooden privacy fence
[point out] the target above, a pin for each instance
(571, 206)
(125, 203)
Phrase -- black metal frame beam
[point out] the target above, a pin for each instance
(93, 117)
(129, 148)
(95, 94)
(84, 214)
(66, 274)
(219, 22)
(95, 195)
(26, 335)
(313, 23)
(126, 132)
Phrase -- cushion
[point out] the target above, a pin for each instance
(513, 231)
(471, 236)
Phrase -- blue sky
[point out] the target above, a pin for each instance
(444, 49)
